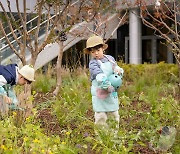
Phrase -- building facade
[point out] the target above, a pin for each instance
(133, 42)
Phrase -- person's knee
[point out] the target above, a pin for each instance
(100, 118)
(116, 115)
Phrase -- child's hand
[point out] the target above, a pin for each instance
(7, 99)
(119, 71)
(111, 89)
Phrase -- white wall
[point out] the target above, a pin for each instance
(30, 4)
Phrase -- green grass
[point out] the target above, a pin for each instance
(148, 101)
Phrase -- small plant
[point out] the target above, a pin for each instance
(45, 81)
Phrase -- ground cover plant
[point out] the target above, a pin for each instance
(149, 100)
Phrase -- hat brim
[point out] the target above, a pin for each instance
(86, 50)
(30, 80)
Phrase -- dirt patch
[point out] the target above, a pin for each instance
(43, 97)
(143, 150)
(49, 122)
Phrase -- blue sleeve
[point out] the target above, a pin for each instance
(111, 58)
(94, 69)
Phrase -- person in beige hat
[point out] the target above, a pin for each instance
(104, 95)
(11, 75)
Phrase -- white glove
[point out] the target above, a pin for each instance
(118, 70)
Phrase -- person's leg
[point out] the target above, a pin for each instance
(114, 122)
(115, 114)
(100, 124)
(100, 118)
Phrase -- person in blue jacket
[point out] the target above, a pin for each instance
(104, 95)
(11, 75)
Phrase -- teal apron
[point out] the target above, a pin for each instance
(110, 103)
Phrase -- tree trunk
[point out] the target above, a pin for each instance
(25, 103)
(34, 56)
(58, 68)
(179, 79)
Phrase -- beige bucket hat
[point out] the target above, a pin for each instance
(27, 71)
(94, 41)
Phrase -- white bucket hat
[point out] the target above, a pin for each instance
(27, 72)
(94, 41)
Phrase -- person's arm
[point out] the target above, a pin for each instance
(12, 95)
(98, 75)
(3, 93)
(116, 69)
(2, 81)
(94, 69)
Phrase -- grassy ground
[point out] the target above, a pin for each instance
(149, 99)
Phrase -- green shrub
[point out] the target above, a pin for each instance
(44, 83)
(148, 101)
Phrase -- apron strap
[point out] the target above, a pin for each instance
(111, 61)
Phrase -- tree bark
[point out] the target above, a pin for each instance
(179, 79)
(59, 68)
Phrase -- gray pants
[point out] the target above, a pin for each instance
(102, 117)
(101, 120)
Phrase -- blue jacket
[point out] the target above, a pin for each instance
(8, 73)
(95, 67)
